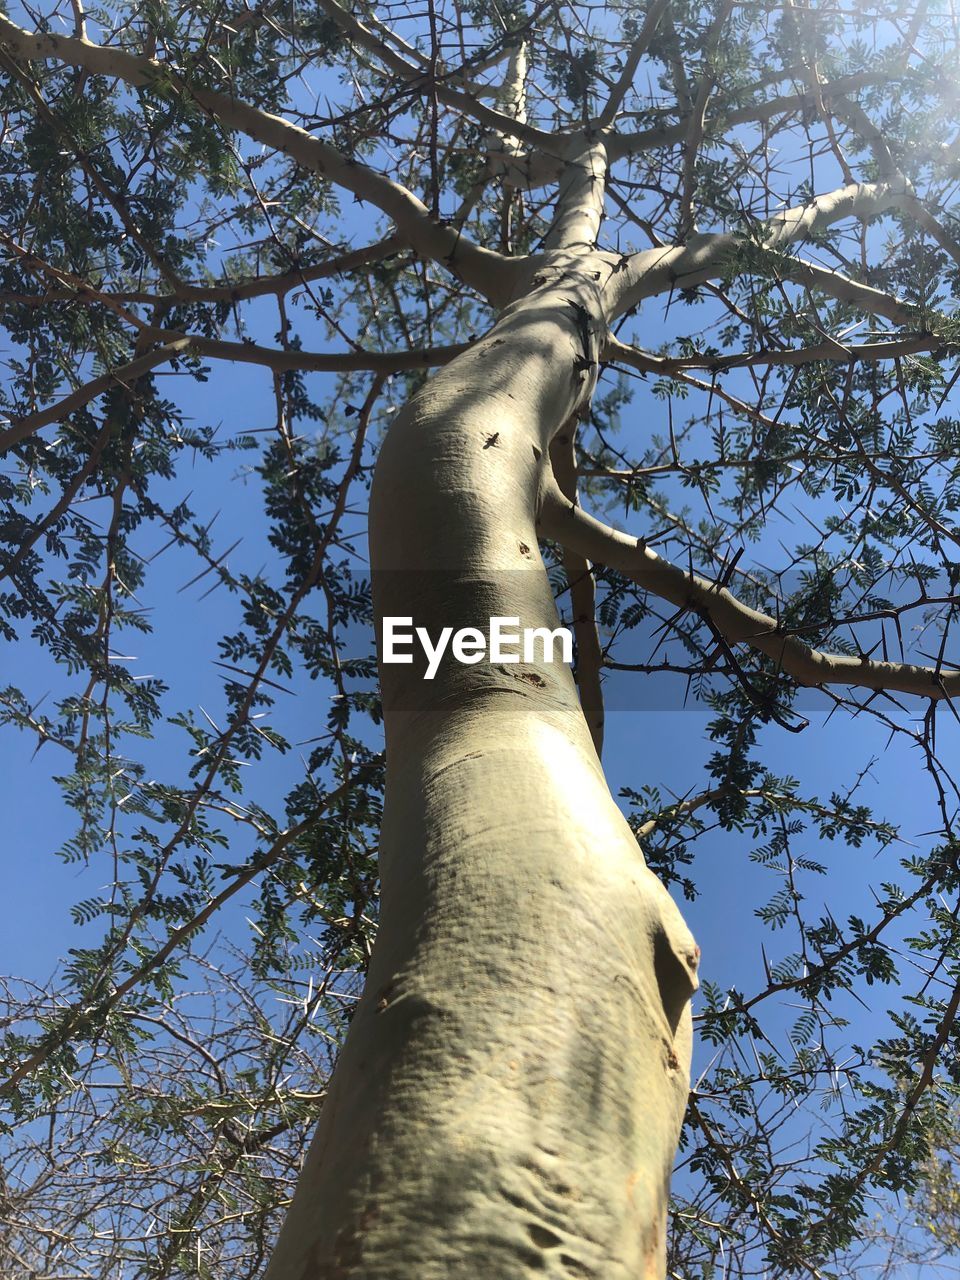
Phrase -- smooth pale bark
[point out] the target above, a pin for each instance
(510, 1094)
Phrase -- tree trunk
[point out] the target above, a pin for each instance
(509, 1097)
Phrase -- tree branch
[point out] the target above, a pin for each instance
(485, 270)
(187, 291)
(654, 271)
(281, 359)
(579, 208)
(123, 374)
(685, 808)
(583, 596)
(829, 349)
(836, 285)
(512, 101)
(637, 50)
(423, 77)
(737, 622)
(698, 117)
(78, 1016)
(278, 359)
(621, 145)
(858, 120)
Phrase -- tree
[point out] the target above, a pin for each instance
(495, 214)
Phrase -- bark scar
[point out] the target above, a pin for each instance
(675, 967)
(527, 677)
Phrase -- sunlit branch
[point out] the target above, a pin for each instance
(281, 359)
(739, 623)
(653, 271)
(579, 209)
(832, 349)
